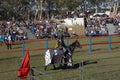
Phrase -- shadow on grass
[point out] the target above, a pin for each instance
(77, 65)
(16, 47)
(116, 48)
(97, 49)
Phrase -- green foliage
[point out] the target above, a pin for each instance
(20, 7)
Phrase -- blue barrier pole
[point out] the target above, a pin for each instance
(23, 48)
(46, 44)
(90, 38)
(67, 41)
(110, 42)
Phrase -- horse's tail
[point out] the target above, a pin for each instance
(47, 57)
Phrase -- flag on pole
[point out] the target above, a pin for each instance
(24, 69)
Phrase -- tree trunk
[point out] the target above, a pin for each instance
(40, 10)
(36, 12)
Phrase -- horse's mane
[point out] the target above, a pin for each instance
(73, 42)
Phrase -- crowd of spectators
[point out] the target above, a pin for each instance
(46, 29)
(96, 26)
(10, 32)
(49, 29)
(40, 29)
(118, 23)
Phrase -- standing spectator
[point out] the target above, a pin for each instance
(9, 42)
(1, 39)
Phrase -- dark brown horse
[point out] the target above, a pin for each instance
(55, 56)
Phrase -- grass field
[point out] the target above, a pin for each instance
(10, 61)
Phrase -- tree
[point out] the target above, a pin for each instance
(62, 6)
(24, 8)
(96, 3)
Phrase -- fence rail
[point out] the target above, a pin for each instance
(109, 42)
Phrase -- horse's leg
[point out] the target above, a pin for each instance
(46, 67)
(61, 61)
(53, 63)
(65, 61)
(70, 62)
(54, 66)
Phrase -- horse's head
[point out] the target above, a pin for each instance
(78, 44)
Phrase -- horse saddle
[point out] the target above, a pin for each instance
(59, 51)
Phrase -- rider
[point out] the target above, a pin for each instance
(60, 41)
(61, 44)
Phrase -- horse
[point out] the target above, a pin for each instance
(69, 52)
(55, 56)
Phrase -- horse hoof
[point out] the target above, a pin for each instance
(55, 68)
(45, 68)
